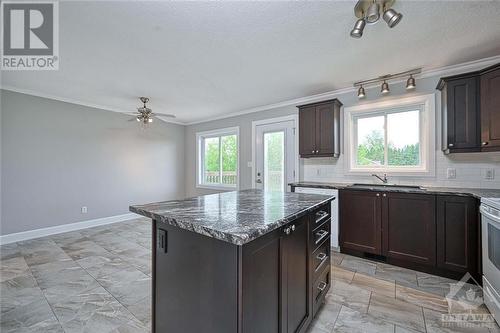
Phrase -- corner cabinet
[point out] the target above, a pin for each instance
(470, 105)
(438, 234)
(319, 129)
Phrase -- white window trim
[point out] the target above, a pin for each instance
(427, 129)
(199, 158)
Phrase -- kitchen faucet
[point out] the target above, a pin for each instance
(383, 180)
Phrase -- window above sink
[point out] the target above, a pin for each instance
(394, 136)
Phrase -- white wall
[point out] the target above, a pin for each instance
(57, 157)
(470, 168)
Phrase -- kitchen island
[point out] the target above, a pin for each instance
(243, 261)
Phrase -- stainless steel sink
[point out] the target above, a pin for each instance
(387, 187)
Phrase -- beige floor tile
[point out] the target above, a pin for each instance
(348, 295)
(339, 273)
(327, 315)
(397, 312)
(421, 298)
(373, 284)
(352, 321)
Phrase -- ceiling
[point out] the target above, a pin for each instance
(200, 60)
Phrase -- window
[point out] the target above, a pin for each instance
(217, 161)
(391, 137)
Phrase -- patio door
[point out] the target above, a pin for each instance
(275, 155)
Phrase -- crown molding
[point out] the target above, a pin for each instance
(78, 102)
(439, 71)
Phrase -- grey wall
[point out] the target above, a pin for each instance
(470, 167)
(57, 157)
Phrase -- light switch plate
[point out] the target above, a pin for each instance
(84, 210)
(489, 174)
(451, 173)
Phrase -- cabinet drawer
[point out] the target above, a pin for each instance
(319, 234)
(321, 258)
(320, 288)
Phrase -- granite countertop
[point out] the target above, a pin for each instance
(236, 217)
(475, 192)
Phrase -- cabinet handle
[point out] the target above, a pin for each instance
(322, 285)
(450, 144)
(321, 235)
(384, 195)
(317, 151)
(321, 215)
(378, 194)
(287, 230)
(485, 143)
(321, 256)
(293, 227)
(312, 151)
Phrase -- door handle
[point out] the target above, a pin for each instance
(258, 181)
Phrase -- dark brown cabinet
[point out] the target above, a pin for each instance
(360, 221)
(470, 105)
(490, 109)
(438, 234)
(461, 123)
(458, 234)
(319, 129)
(409, 227)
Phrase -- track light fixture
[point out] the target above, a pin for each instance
(361, 92)
(385, 89)
(410, 83)
(369, 11)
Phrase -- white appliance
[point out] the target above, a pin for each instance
(490, 229)
(335, 210)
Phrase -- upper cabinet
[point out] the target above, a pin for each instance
(471, 111)
(490, 109)
(319, 129)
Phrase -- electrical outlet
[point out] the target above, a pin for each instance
(250, 164)
(84, 210)
(489, 174)
(451, 173)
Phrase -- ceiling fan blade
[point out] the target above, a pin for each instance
(164, 115)
(132, 119)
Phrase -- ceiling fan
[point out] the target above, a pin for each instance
(145, 115)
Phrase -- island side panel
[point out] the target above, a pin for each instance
(195, 282)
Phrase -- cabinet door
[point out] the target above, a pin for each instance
(463, 113)
(296, 295)
(457, 228)
(409, 227)
(360, 221)
(325, 124)
(307, 131)
(261, 288)
(490, 110)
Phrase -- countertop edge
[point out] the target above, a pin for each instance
(225, 236)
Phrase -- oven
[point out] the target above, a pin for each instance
(490, 229)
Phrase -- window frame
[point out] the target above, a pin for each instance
(200, 157)
(426, 105)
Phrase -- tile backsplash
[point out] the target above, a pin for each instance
(471, 170)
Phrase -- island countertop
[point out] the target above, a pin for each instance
(236, 217)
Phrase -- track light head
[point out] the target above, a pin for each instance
(359, 26)
(385, 88)
(392, 17)
(373, 13)
(410, 83)
(361, 92)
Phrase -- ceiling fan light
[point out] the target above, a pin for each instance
(361, 92)
(410, 83)
(392, 17)
(385, 88)
(373, 13)
(359, 26)
(150, 120)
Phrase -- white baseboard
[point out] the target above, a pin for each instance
(30, 234)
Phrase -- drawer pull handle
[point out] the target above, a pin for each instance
(321, 215)
(320, 235)
(321, 256)
(322, 285)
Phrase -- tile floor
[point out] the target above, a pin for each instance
(98, 280)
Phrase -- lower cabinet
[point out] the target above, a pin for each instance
(409, 227)
(280, 278)
(438, 234)
(458, 234)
